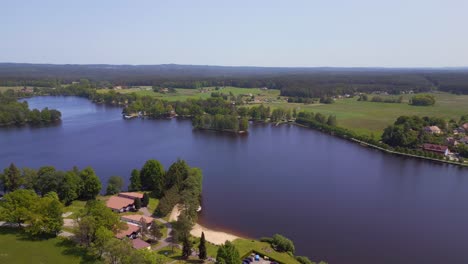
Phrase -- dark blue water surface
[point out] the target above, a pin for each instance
(338, 201)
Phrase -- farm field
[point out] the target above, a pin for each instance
(372, 118)
(184, 94)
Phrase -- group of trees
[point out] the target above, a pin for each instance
(13, 112)
(318, 117)
(379, 99)
(221, 123)
(422, 100)
(38, 215)
(68, 185)
(180, 184)
(407, 131)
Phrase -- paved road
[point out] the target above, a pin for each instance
(165, 241)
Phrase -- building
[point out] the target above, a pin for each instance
(432, 130)
(120, 204)
(464, 140)
(137, 243)
(439, 149)
(459, 131)
(131, 232)
(137, 219)
(465, 126)
(131, 195)
(451, 141)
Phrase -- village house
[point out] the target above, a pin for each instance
(465, 126)
(131, 195)
(458, 131)
(435, 130)
(131, 232)
(27, 89)
(120, 204)
(137, 219)
(464, 140)
(137, 243)
(439, 149)
(451, 141)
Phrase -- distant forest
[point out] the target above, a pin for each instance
(296, 82)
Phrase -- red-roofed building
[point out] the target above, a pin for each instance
(131, 195)
(439, 149)
(120, 204)
(140, 244)
(131, 232)
(136, 219)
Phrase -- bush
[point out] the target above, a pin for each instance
(303, 260)
(282, 243)
(422, 100)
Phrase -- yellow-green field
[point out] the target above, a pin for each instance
(184, 94)
(372, 118)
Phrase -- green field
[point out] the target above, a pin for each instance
(15, 247)
(372, 118)
(184, 94)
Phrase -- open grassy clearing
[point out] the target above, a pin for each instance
(184, 94)
(372, 118)
(15, 247)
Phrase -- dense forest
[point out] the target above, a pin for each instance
(294, 82)
(17, 113)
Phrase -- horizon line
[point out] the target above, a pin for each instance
(243, 66)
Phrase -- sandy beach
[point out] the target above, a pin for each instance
(215, 237)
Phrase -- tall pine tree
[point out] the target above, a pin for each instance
(202, 247)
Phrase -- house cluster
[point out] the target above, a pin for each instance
(458, 136)
(125, 202)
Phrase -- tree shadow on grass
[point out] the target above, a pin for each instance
(70, 248)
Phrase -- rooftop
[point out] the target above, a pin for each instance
(127, 232)
(116, 202)
(148, 219)
(131, 194)
(139, 244)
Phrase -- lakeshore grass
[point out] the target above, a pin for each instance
(245, 246)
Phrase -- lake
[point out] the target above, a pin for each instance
(337, 201)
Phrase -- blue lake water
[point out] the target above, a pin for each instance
(338, 201)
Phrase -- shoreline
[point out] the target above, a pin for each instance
(212, 236)
(388, 151)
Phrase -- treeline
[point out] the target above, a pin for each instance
(295, 82)
(17, 113)
(221, 123)
(422, 100)
(69, 185)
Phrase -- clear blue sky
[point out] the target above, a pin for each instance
(393, 33)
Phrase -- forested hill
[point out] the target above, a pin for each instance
(303, 82)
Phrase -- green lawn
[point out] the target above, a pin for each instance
(245, 246)
(74, 207)
(152, 205)
(372, 118)
(15, 247)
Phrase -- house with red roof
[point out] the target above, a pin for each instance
(120, 204)
(439, 149)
